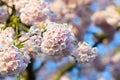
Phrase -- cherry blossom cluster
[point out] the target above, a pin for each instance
(107, 15)
(113, 20)
(36, 39)
(58, 40)
(26, 34)
(12, 59)
(32, 11)
(85, 53)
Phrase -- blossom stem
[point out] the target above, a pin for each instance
(23, 27)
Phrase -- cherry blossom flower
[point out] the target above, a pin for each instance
(57, 40)
(12, 60)
(85, 53)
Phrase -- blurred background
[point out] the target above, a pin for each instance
(94, 21)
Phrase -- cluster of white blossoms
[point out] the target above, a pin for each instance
(34, 12)
(3, 14)
(85, 53)
(57, 40)
(35, 39)
(35, 42)
(12, 59)
(49, 38)
(113, 15)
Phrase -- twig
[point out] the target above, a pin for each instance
(65, 69)
(31, 74)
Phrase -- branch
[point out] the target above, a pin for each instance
(61, 72)
(30, 72)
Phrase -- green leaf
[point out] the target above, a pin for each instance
(20, 45)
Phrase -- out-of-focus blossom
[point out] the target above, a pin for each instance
(85, 53)
(84, 2)
(116, 57)
(57, 40)
(100, 67)
(64, 78)
(63, 10)
(34, 12)
(1, 26)
(12, 60)
(78, 32)
(3, 14)
(78, 2)
(115, 70)
(57, 8)
(99, 19)
(111, 19)
(106, 16)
